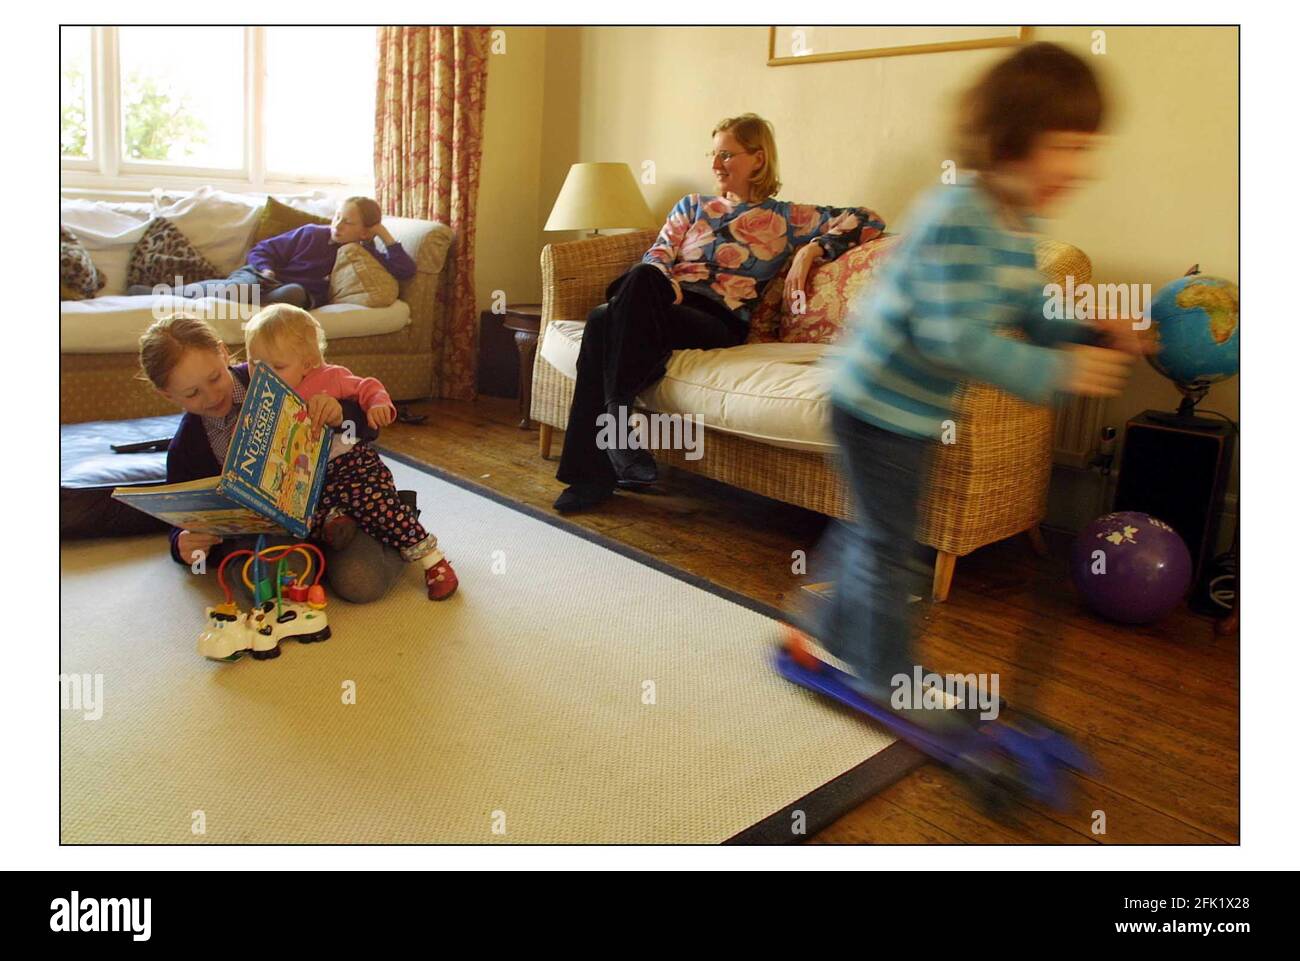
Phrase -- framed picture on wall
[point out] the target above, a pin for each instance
(788, 45)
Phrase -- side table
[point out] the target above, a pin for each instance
(525, 320)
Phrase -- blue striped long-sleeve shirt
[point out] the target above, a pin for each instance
(931, 318)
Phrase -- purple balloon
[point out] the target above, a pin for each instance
(1142, 573)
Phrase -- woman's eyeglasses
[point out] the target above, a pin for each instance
(724, 155)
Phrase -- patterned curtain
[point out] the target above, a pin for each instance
(428, 143)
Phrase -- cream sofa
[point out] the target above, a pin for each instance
(98, 337)
(766, 410)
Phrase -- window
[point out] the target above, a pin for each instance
(181, 91)
(238, 107)
(318, 131)
(74, 93)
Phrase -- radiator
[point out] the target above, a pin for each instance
(1077, 425)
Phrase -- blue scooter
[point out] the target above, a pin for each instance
(1000, 759)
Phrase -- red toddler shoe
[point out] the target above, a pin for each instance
(441, 581)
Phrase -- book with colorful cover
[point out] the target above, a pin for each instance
(271, 479)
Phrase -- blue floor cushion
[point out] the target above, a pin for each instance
(89, 469)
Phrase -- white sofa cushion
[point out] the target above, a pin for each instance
(219, 224)
(777, 394)
(113, 325)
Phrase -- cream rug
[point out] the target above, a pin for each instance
(566, 694)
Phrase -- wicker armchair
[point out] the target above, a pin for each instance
(989, 485)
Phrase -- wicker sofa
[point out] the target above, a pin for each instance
(101, 385)
(989, 485)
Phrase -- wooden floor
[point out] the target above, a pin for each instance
(1156, 706)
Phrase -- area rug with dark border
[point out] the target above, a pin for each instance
(574, 690)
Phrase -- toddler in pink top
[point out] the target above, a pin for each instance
(359, 490)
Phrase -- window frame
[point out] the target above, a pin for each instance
(91, 161)
(106, 169)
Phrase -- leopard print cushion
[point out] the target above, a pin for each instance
(78, 278)
(163, 254)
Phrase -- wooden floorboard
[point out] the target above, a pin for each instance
(1157, 706)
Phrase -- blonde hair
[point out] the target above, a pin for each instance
(287, 325)
(755, 133)
(167, 340)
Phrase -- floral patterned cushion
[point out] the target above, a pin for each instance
(765, 318)
(78, 278)
(163, 254)
(833, 287)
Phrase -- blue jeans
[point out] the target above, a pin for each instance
(868, 621)
(239, 286)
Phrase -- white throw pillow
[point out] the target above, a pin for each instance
(319, 203)
(219, 224)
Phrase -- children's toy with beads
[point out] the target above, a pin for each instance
(283, 606)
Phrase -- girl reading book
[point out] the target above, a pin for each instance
(186, 361)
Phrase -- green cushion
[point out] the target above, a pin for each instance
(278, 218)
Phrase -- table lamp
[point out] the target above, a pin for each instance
(597, 195)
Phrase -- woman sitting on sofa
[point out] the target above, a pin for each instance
(695, 287)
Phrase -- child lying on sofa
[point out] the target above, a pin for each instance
(294, 267)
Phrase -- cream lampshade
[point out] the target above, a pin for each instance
(599, 195)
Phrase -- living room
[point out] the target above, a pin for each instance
(663, 560)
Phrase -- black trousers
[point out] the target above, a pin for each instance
(625, 349)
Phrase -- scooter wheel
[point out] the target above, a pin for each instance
(797, 644)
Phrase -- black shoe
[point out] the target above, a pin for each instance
(579, 497)
(634, 467)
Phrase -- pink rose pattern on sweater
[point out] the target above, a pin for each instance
(729, 251)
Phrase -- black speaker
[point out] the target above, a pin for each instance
(498, 358)
(1176, 469)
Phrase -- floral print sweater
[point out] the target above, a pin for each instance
(728, 250)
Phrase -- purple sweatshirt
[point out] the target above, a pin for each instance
(306, 256)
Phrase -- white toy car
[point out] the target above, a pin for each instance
(231, 632)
